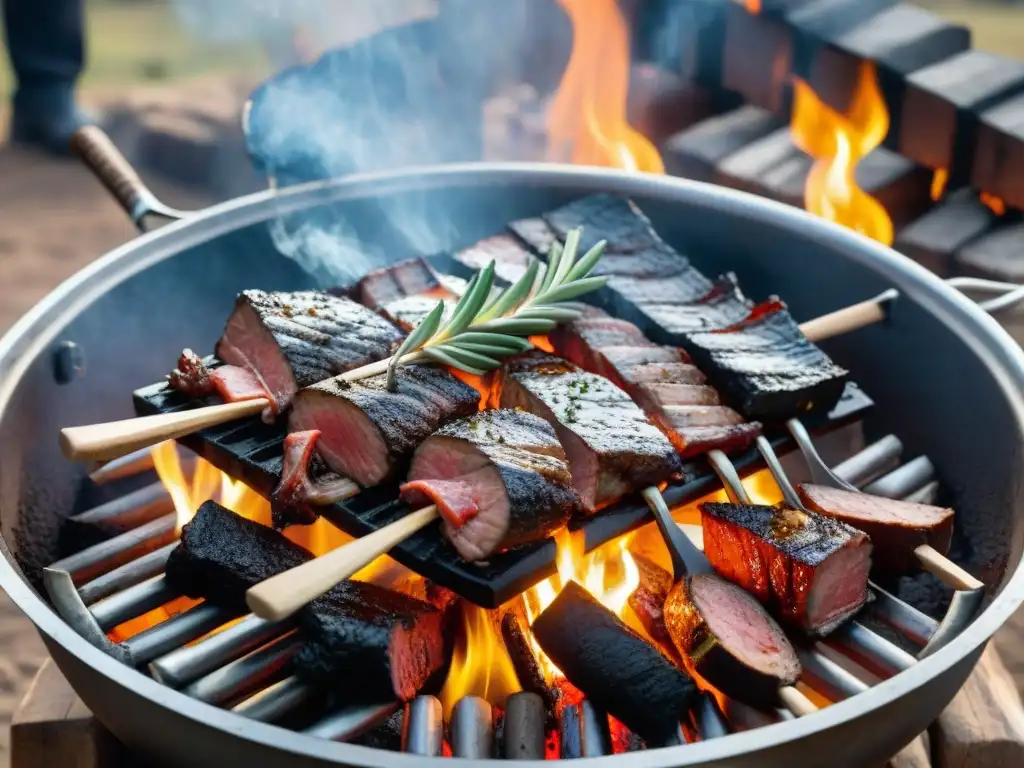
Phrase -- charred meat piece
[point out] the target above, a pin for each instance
(191, 377)
(380, 644)
(671, 391)
(811, 571)
(536, 233)
(298, 495)
(605, 217)
(767, 368)
(366, 430)
(511, 260)
(648, 601)
(615, 668)
(896, 528)
(613, 448)
(524, 661)
(721, 306)
(222, 554)
(729, 639)
(510, 466)
(406, 292)
(293, 340)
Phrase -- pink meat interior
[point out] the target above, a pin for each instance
(445, 458)
(415, 652)
(247, 343)
(349, 442)
(840, 586)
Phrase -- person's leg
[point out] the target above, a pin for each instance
(45, 39)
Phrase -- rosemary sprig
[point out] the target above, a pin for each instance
(480, 331)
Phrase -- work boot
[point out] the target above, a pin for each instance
(47, 122)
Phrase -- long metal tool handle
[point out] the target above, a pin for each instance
(95, 149)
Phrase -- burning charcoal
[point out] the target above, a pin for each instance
(528, 671)
(896, 527)
(499, 478)
(191, 377)
(222, 554)
(366, 430)
(613, 449)
(767, 368)
(648, 601)
(811, 571)
(616, 669)
(377, 643)
(293, 340)
(729, 639)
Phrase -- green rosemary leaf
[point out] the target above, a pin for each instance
(560, 314)
(492, 339)
(554, 257)
(515, 327)
(572, 244)
(469, 305)
(570, 290)
(582, 267)
(491, 350)
(415, 339)
(512, 297)
(460, 359)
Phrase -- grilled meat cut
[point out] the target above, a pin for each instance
(535, 233)
(767, 368)
(305, 482)
(230, 383)
(613, 448)
(811, 571)
(366, 430)
(406, 292)
(293, 340)
(672, 392)
(673, 318)
(605, 217)
(896, 527)
(222, 554)
(729, 639)
(508, 467)
(378, 644)
(648, 601)
(615, 668)
(511, 260)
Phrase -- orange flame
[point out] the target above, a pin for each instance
(838, 142)
(587, 122)
(480, 664)
(995, 204)
(753, 6)
(939, 181)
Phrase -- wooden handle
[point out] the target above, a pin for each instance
(849, 319)
(95, 149)
(280, 596)
(99, 442)
(945, 570)
(796, 702)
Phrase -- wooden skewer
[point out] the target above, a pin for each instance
(945, 570)
(280, 596)
(101, 442)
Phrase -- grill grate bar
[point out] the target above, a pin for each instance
(595, 736)
(880, 457)
(525, 720)
(127, 575)
(175, 632)
(129, 465)
(246, 675)
(185, 665)
(276, 702)
(424, 727)
(349, 723)
(906, 619)
(864, 645)
(569, 732)
(827, 677)
(133, 602)
(121, 549)
(709, 720)
(472, 729)
(903, 481)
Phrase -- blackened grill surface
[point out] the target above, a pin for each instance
(321, 335)
(614, 667)
(377, 644)
(607, 217)
(531, 462)
(251, 451)
(222, 554)
(768, 369)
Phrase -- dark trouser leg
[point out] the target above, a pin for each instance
(45, 39)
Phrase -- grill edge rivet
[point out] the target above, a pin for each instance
(68, 362)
